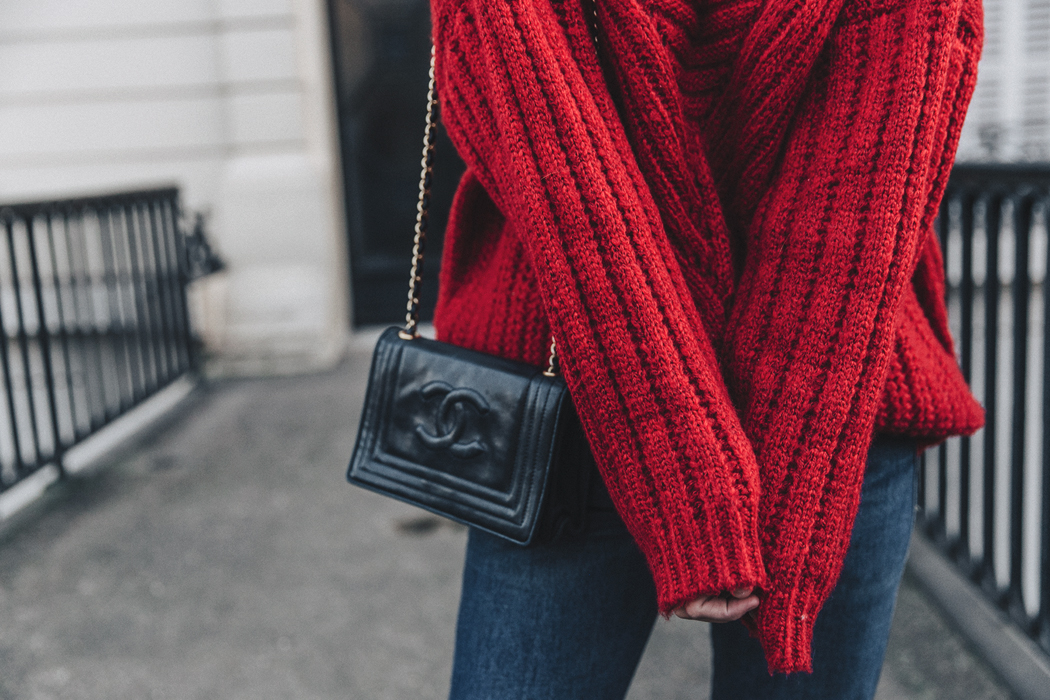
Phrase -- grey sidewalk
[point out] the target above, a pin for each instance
(225, 558)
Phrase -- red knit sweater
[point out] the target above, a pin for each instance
(726, 220)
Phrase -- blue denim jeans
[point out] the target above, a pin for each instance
(570, 619)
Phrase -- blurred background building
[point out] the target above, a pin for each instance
(230, 100)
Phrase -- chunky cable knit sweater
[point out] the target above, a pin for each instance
(725, 215)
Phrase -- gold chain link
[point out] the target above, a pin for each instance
(552, 361)
(415, 279)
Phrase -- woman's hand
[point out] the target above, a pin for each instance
(719, 608)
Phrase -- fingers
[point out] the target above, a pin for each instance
(719, 608)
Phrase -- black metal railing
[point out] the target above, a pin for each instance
(94, 318)
(985, 500)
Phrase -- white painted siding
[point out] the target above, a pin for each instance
(229, 99)
(123, 81)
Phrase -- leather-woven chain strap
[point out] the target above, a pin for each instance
(415, 279)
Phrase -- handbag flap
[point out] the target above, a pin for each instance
(464, 434)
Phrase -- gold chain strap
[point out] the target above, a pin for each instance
(415, 279)
(593, 25)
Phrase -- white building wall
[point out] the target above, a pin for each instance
(1009, 117)
(228, 99)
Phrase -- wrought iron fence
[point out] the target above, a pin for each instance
(94, 318)
(985, 500)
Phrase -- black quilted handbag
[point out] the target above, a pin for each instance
(483, 440)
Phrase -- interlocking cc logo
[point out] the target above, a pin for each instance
(451, 419)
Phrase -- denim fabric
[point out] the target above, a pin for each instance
(570, 619)
(563, 620)
(849, 641)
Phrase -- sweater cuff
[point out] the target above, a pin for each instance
(785, 628)
(706, 565)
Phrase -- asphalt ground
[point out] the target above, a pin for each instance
(223, 556)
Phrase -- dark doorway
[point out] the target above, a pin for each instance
(381, 51)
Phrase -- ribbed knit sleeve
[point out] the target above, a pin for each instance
(832, 246)
(542, 136)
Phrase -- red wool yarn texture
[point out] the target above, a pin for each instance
(724, 213)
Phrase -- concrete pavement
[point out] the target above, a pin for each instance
(223, 556)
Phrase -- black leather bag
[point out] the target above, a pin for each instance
(485, 441)
(472, 437)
